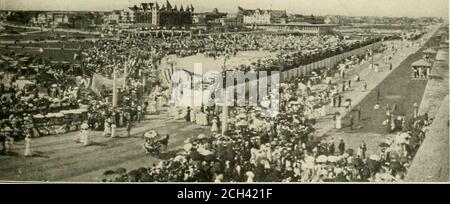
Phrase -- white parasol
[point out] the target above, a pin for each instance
(374, 157)
(150, 134)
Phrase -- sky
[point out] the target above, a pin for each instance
(392, 8)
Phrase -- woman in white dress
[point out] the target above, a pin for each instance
(323, 111)
(85, 135)
(250, 175)
(214, 126)
(107, 128)
(28, 152)
(338, 121)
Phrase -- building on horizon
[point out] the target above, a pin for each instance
(208, 17)
(259, 16)
(152, 14)
(50, 18)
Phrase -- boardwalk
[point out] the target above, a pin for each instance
(396, 88)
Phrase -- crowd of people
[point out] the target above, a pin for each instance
(282, 149)
(285, 148)
(255, 148)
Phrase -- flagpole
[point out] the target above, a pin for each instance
(225, 102)
(114, 103)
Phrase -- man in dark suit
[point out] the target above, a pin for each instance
(358, 111)
(378, 95)
(341, 146)
(351, 121)
(334, 101)
(339, 100)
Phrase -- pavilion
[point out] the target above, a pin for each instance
(421, 69)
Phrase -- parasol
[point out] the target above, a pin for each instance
(395, 165)
(373, 165)
(376, 107)
(201, 136)
(393, 155)
(187, 147)
(84, 126)
(374, 157)
(350, 152)
(205, 152)
(384, 145)
(150, 134)
(8, 129)
(180, 159)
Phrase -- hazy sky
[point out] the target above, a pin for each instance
(412, 8)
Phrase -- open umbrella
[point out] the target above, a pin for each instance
(180, 158)
(84, 126)
(395, 165)
(394, 156)
(384, 145)
(187, 146)
(201, 136)
(150, 134)
(350, 152)
(120, 170)
(373, 165)
(374, 157)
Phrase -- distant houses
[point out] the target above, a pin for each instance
(152, 14)
(155, 16)
(258, 16)
(50, 19)
(66, 19)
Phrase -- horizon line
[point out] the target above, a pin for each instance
(103, 11)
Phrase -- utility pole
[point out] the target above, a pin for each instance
(373, 52)
(225, 95)
(114, 104)
(114, 100)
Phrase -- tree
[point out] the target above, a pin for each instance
(20, 17)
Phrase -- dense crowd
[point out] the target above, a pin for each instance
(282, 149)
(255, 148)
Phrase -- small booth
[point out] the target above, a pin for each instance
(421, 70)
(429, 54)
